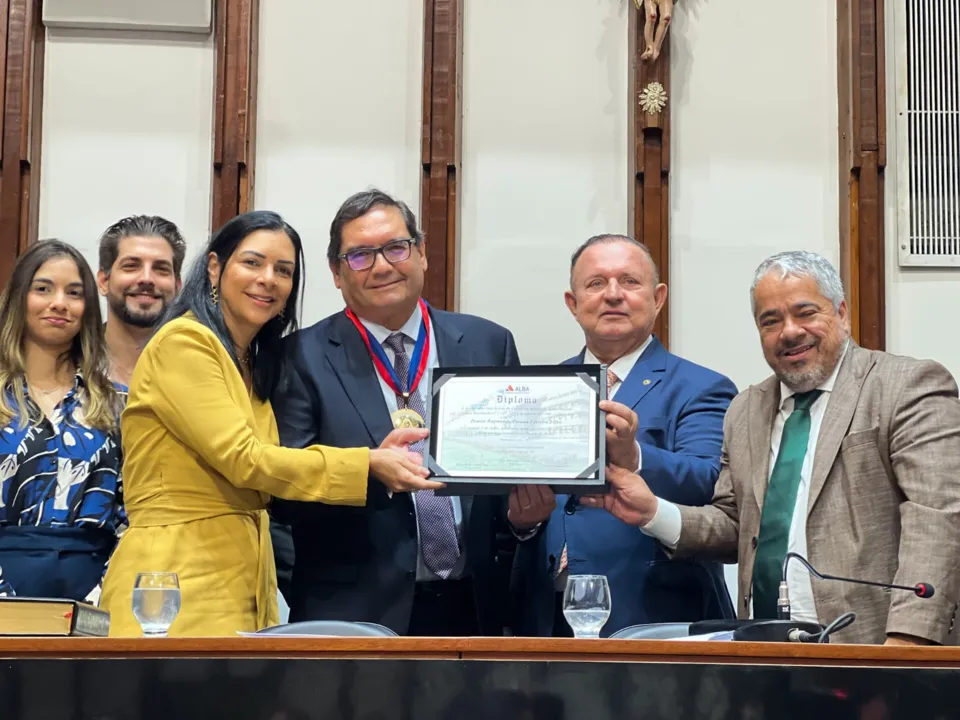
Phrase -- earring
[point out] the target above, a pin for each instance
(215, 294)
(283, 313)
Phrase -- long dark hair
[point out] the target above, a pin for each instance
(266, 351)
(88, 351)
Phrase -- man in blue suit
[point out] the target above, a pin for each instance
(418, 563)
(666, 415)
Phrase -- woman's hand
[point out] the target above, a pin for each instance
(398, 468)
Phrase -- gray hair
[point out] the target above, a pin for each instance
(801, 263)
(612, 238)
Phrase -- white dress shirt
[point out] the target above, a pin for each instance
(411, 330)
(667, 523)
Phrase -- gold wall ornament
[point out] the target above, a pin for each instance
(653, 98)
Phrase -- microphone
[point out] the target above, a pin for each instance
(571, 505)
(922, 590)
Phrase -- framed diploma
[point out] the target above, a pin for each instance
(493, 428)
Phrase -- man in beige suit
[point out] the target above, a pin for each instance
(847, 456)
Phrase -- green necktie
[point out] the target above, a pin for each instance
(778, 507)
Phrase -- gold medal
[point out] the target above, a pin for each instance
(407, 418)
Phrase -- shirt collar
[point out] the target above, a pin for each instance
(622, 366)
(826, 386)
(411, 328)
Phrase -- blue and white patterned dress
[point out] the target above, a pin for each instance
(61, 501)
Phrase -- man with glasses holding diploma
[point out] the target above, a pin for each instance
(420, 564)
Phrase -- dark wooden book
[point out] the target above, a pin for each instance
(51, 616)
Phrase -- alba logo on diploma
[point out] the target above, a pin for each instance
(516, 394)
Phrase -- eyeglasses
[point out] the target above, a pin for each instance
(394, 252)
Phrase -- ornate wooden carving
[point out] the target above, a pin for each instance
(440, 146)
(21, 67)
(863, 158)
(236, 32)
(650, 161)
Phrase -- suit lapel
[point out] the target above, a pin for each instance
(837, 417)
(646, 373)
(451, 350)
(762, 408)
(351, 362)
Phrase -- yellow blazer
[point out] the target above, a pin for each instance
(201, 460)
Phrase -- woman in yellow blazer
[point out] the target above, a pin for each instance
(201, 446)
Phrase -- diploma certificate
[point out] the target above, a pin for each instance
(508, 426)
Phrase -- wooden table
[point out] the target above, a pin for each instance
(278, 678)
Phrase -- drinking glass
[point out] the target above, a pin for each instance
(586, 604)
(156, 602)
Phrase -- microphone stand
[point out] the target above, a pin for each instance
(784, 629)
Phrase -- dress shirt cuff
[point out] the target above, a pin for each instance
(665, 525)
(524, 535)
(639, 459)
(93, 597)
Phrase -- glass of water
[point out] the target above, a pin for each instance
(156, 602)
(586, 604)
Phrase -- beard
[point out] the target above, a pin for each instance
(136, 318)
(813, 377)
(805, 380)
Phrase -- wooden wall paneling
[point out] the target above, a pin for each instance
(649, 191)
(440, 147)
(236, 35)
(862, 106)
(21, 67)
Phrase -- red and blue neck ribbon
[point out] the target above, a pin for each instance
(418, 361)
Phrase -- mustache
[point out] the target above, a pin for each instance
(147, 289)
(785, 347)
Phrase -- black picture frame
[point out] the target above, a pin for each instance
(591, 481)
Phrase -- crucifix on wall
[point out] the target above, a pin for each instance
(657, 17)
(649, 89)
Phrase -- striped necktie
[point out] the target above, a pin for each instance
(439, 543)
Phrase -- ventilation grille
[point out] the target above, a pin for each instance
(930, 122)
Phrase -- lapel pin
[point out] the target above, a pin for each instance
(647, 381)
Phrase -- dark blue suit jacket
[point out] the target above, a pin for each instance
(680, 406)
(359, 563)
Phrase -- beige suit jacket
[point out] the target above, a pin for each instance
(884, 499)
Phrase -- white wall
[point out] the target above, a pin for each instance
(127, 129)
(755, 164)
(917, 298)
(545, 153)
(347, 119)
